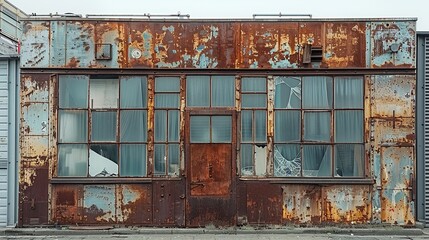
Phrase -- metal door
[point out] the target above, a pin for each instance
(210, 145)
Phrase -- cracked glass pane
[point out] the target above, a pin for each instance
(287, 93)
(287, 160)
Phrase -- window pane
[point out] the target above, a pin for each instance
(73, 126)
(317, 126)
(72, 160)
(166, 100)
(103, 127)
(73, 91)
(349, 160)
(287, 126)
(260, 126)
(246, 126)
(104, 93)
(133, 160)
(160, 159)
(287, 160)
(167, 84)
(349, 126)
(221, 129)
(254, 100)
(349, 92)
(160, 125)
(317, 92)
(246, 154)
(200, 129)
(173, 157)
(173, 126)
(253, 84)
(198, 91)
(103, 160)
(223, 91)
(133, 92)
(133, 125)
(317, 161)
(288, 92)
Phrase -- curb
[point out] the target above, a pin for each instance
(232, 231)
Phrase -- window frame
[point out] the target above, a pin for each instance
(89, 109)
(332, 143)
(253, 143)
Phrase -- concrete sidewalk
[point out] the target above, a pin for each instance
(73, 231)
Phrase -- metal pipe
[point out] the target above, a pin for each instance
(282, 15)
(146, 15)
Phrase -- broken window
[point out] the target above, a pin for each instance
(210, 91)
(166, 126)
(91, 140)
(318, 132)
(253, 151)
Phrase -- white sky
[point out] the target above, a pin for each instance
(238, 8)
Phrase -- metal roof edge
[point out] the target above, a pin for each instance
(142, 18)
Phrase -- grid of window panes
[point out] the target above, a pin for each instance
(102, 124)
(253, 123)
(210, 91)
(167, 120)
(318, 128)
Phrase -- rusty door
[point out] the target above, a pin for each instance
(210, 145)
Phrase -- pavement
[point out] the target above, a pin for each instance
(297, 233)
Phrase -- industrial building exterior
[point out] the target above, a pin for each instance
(189, 123)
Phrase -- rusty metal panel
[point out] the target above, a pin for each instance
(397, 174)
(156, 45)
(302, 204)
(397, 168)
(34, 151)
(116, 34)
(210, 45)
(394, 132)
(311, 33)
(268, 45)
(169, 203)
(393, 96)
(67, 204)
(344, 45)
(35, 119)
(35, 44)
(397, 207)
(133, 204)
(80, 50)
(346, 204)
(99, 203)
(33, 201)
(393, 44)
(57, 46)
(264, 203)
(34, 88)
(210, 169)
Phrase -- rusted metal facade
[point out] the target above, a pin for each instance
(210, 185)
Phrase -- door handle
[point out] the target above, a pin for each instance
(196, 184)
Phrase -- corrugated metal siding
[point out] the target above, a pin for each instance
(426, 128)
(3, 140)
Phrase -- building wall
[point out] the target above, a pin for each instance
(8, 144)
(381, 52)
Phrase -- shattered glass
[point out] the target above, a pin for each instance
(287, 160)
(288, 92)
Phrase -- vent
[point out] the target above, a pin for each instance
(312, 54)
(103, 51)
(426, 128)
